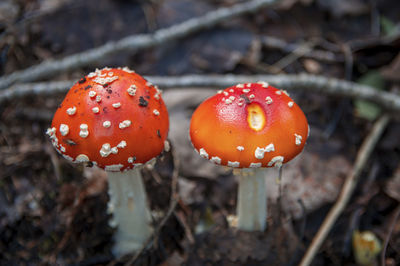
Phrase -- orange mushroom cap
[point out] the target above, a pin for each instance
(113, 118)
(249, 125)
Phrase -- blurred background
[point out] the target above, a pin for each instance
(53, 212)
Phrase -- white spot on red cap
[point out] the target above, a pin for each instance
(270, 147)
(105, 150)
(82, 158)
(225, 93)
(268, 100)
(203, 153)
(98, 98)
(298, 139)
(106, 80)
(255, 165)
(290, 104)
(259, 152)
(92, 94)
(233, 164)
(71, 111)
(278, 92)
(216, 159)
(240, 86)
(122, 144)
(158, 93)
(131, 160)
(251, 96)
(64, 129)
(246, 90)
(96, 110)
(240, 148)
(51, 132)
(116, 105)
(228, 101)
(125, 124)
(132, 90)
(62, 148)
(156, 112)
(276, 161)
(83, 133)
(127, 70)
(91, 75)
(106, 124)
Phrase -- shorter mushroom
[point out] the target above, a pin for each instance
(116, 120)
(249, 126)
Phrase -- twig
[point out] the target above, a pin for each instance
(304, 82)
(132, 43)
(318, 54)
(367, 193)
(389, 234)
(300, 51)
(347, 189)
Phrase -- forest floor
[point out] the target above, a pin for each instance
(53, 212)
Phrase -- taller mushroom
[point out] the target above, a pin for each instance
(250, 125)
(116, 120)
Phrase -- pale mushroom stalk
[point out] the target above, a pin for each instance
(128, 204)
(252, 200)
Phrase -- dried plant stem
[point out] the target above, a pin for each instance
(347, 190)
(304, 82)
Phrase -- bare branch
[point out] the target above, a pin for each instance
(348, 188)
(318, 54)
(132, 43)
(302, 82)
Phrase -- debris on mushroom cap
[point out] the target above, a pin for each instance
(248, 126)
(112, 117)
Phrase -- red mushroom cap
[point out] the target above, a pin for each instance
(113, 118)
(249, 125)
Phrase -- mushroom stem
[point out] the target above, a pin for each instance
(252, 201)
(128, 204)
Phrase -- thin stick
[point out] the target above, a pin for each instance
(303, 82)
(132, 43)
(347, 190)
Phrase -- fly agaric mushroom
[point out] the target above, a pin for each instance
(249, 125)
(116, 120)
